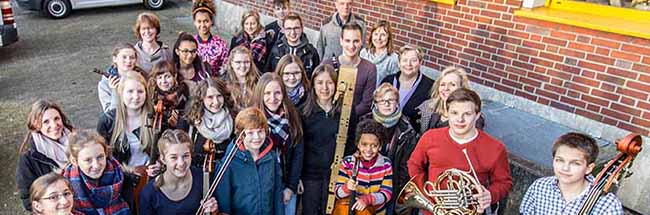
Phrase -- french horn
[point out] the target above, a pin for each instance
(452, 194)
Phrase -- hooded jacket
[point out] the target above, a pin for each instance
(304, 50)
(251, 186)
(146, 61)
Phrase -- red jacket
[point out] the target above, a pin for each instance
(437, 152)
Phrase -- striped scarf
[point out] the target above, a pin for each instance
(98, 196)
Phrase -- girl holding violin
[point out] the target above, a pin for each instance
(210, 122)
(364, 183)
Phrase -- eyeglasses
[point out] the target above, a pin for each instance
(295, 29)
(57, 197)
(386, 102)
(291, 74)
(187, 51)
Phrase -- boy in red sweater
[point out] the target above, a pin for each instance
(442, 149)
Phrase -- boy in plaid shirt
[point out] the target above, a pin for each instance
(574, 156)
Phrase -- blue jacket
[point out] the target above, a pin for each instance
(252, 187)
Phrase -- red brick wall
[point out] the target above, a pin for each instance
(599, 75)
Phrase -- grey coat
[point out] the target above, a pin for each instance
(328, 44)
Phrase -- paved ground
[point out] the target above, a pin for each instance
(52, 60)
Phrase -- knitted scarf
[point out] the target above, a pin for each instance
(216, 126)
(53, 149)
(296, 93)
(279, 125)
(98, 196)
(386, 121)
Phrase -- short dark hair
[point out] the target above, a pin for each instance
(369, 126)
(465, 95)
(281, 3)
(293, 16)
(579, 141)
(351, 26)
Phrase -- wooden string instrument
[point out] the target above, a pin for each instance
(208, 166)
(345, 89)
(344, 206)
(614, 171)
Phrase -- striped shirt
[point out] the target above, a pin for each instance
(376, 180)
(544, 197)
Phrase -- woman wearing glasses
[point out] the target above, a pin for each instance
(294, 77)
(188, 64)
(412, 85)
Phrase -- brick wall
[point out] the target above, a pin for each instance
(599, 75)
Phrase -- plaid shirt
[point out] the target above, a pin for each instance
(544, 197)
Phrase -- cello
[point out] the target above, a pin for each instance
(344, 206)
(615, 170)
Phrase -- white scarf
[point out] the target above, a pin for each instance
(52, 149)
(216, 126)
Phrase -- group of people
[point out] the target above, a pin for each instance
(262, 114)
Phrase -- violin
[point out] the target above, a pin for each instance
(344, 206)
(615, 170)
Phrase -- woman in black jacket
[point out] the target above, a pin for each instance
(412, 85)
(400, 138)
(43, 149)
(320, 124)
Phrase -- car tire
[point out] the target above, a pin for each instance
(57, 9)
(154, 4)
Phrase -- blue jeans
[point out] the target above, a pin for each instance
(290, 207)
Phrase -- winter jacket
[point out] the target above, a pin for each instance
(364, 85)
(258, 45)
(320, 130)
(386, 64)
(249, 186)
(305, 51)
(274, 31)
(214, 52)
(107, 96)
(329, 44)
(422, 92)
(146, 61)
(31, 165)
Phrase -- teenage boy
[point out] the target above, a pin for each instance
(252, 184)
(444, 148)
(574, 157)
(351, 40)
(281, 8)
(328, 44)
(293, 42)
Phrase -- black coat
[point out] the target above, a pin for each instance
(320, 130)
(422, 93)
(305, 51)
(31, 165)
(105, 129)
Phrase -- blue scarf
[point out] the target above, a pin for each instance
(98, 196)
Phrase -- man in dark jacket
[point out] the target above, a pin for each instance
(296, 43)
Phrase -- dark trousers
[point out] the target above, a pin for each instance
(314, 199)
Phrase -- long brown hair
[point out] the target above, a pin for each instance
(289, 59)
(233, 82)
(197, 108)
(295, 124)
(34, 120)
(309, 107)
(119, 124)
(160, 68)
